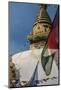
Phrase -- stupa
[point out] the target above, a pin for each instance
(27, 64)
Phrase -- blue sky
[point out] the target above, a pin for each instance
(21, 19)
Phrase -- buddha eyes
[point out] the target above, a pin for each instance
(45, 26)
(41, 28)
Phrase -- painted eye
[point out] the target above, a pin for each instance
(45, 27)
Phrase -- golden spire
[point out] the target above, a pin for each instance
(43, 6)
(43, 16)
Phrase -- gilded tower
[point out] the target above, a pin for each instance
(41, 28)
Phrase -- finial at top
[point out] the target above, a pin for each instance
(44, 6)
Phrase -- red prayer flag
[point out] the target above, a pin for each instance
(53, 36)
